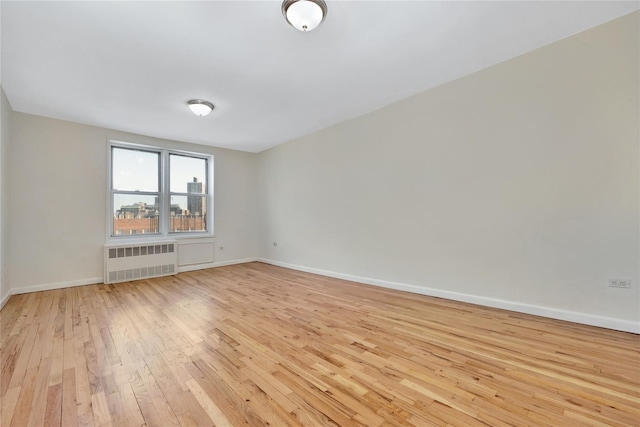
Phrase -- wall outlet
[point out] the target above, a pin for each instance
(619, 283)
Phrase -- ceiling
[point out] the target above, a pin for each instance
(131, 66)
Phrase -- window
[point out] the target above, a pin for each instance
(157, 192)
(188, 191)
(135, 192)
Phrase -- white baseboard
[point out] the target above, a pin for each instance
(95, 280)
(48, 287)
(59, 285)
(553, 313)
(194, 267)
(5, 299)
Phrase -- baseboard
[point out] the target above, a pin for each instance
(553, 313)
(94, 280)
(5, 299)
(194, 267)
(59, 285)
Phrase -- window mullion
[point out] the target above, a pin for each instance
(188, 194)
(136, 193)
(165, 196)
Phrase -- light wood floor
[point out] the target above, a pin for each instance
(257, 345)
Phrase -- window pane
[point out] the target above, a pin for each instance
(188, 174)
(135, 214)
(134, 170)
(188, 213)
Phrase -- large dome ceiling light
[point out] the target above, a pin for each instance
(304, 15)
(200, 107)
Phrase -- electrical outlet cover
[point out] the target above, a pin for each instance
(619, 283)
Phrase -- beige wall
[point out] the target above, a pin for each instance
(516, 186)
(57, 187)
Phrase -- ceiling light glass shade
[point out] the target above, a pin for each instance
(200, 107)
(304, 15)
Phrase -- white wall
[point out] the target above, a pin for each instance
(5, 112)
(5, 123)
(57, 182)
(516, 186)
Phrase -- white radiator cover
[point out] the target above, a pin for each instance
(134, 261)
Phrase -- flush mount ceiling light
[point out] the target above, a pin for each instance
(304, 15)
(200, 107)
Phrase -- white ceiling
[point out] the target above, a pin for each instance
(132, 66)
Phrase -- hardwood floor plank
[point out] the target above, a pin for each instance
(123, 408)
(255, 344)
(69, 415)
(10, 351)
(37, 412)
(100, 409)
(22, 356)
(53, 410)
(208, 405)
(25, 399)
(228, 402)
(8, 405)
(83, 389)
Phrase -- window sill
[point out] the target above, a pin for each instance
(136, 238)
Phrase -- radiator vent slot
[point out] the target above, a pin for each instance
(141, 273)
(141, 250)
(139, 261)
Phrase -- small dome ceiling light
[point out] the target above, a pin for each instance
(304, 15)
(200, 107)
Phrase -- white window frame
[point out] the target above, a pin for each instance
(164, 196)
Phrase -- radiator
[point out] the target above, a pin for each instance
(133, 261)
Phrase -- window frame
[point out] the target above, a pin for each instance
(164, 194)
(113, 192)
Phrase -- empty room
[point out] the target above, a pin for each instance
(319, 213)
